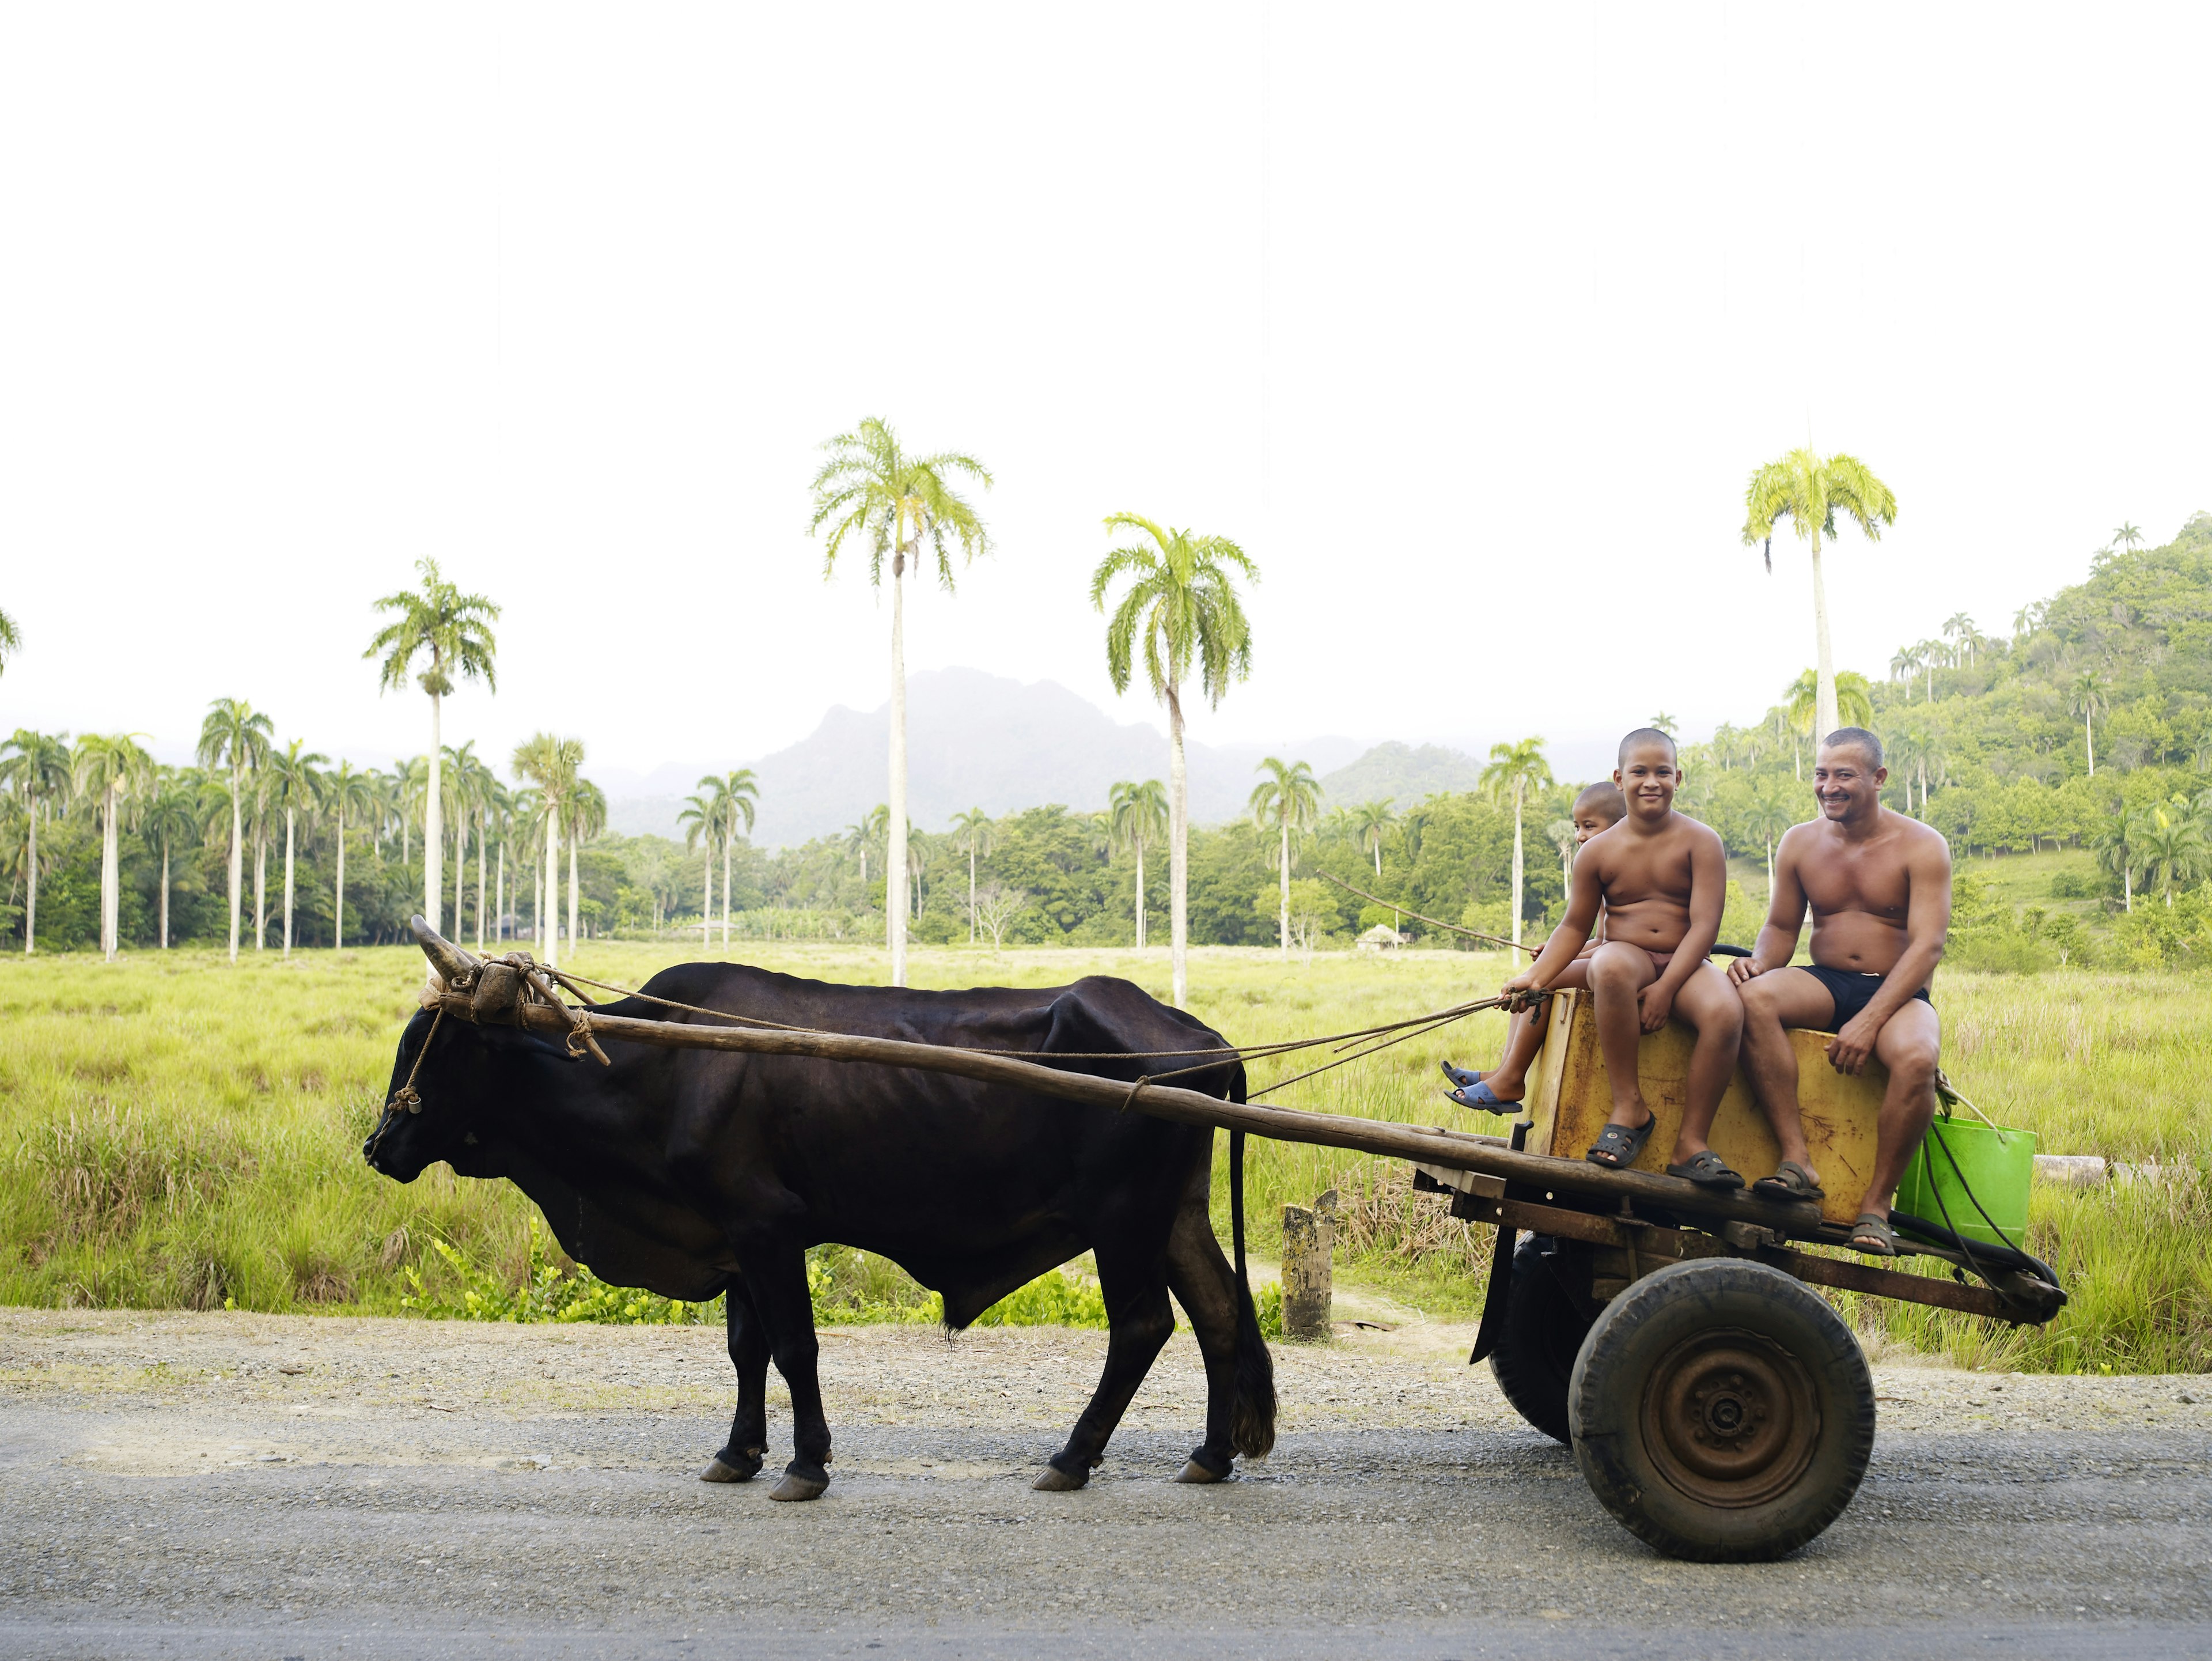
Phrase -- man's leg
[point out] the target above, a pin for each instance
(1710, 1004)
(1909, 1046)
(1772, 1003)
(1617, 973)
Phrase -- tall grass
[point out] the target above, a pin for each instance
(178, 1132)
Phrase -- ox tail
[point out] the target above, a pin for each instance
(1252, 1403)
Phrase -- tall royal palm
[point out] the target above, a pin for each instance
(1136, 819)
(731, 799)
(1810, 490)
(974, 835)
(1371, 827)
(468, 780)
(172, 815)
(2086, 697)
(1854, 707)
(1514, 771)
(295, 790)
(871, 488)
(1286, 801)
(235, 737)
(585, 813)
(351, 794)
(453, 631)
(35, 769)
(1181, 612)
(112, 770)
(11, 640)
(550, 764)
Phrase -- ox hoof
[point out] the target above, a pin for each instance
(720, 1471)
(1195, 1472)
(1056, 1481)
(795, 1487)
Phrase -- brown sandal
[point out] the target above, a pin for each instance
(1873, 1236)
(1791, 1181)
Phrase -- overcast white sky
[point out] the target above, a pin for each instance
(1469, 321)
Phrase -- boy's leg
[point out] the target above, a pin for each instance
(1525, 1041)
(1710, 1004)
(1617, 973)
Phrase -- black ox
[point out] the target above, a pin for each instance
(695, 1171)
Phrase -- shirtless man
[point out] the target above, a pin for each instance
(1661, 878)
(1880, 887)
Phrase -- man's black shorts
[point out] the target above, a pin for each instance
(1850, 990)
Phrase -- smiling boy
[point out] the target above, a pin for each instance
(1661, 878)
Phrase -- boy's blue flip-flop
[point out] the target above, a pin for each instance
(1460, 1076)
(1481, 1095)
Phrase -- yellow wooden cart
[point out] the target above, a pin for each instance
(1717, 1406)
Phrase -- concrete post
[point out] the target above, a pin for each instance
(1307, 1236)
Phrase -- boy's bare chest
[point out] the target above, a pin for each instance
(1653, 871)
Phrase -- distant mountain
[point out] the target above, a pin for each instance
(972, 740)
(1401, 774)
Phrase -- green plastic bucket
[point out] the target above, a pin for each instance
(1998, 1165)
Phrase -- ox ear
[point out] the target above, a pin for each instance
(457, 968)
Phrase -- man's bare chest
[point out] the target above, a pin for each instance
(1870, 880)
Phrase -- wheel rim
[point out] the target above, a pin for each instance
(1730, 1418)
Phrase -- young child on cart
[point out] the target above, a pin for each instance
(1661, 878)
(1598, 808)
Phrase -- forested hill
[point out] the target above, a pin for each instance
(1990, 735)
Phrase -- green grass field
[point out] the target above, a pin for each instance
(182, 1133)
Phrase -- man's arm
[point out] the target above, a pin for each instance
(1785, 917)
(1927, 923)
(1574, 929)
(1707, 898)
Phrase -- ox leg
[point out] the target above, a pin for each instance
(1138, 1324)
(739, 1461)
(777, 1276)
(1200, 1277)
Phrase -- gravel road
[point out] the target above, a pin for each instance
(218, 1485)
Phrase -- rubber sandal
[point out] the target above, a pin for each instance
(1479, 1095)
(1460, 1076)
(1621, 1145)
(1873, 1236)
(1707, 1170)
(1791, 1181)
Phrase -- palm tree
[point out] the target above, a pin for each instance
(36, 767)
(1809, 490)
(700, 818)
(1515, 769)
(1136, 819)
(172, 814)
(1183, 601)
(11, 640)
(296, 787)
(550, 764)
(2127, 537)
(236, 737)
(870, 486)
(2117, 847)
(1854, 707)
(350, 793)
(110, 769)
(1371, 826)
(455, 629)
(1770, 817)
(495, 810)
(2086, 697)
(732, 798)
(2172, 846)
(1288, 800)
(1663, 723)
(586, 810)
(974, 835)
(1958, 629)
(1564, 837)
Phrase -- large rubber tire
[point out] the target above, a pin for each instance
(1543, 1333)
(1722, 1411)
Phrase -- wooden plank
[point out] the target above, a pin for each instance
(1451, 1149)
(1570, 1101)
(1650, 1241)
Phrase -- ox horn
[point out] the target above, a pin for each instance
(458, 968)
